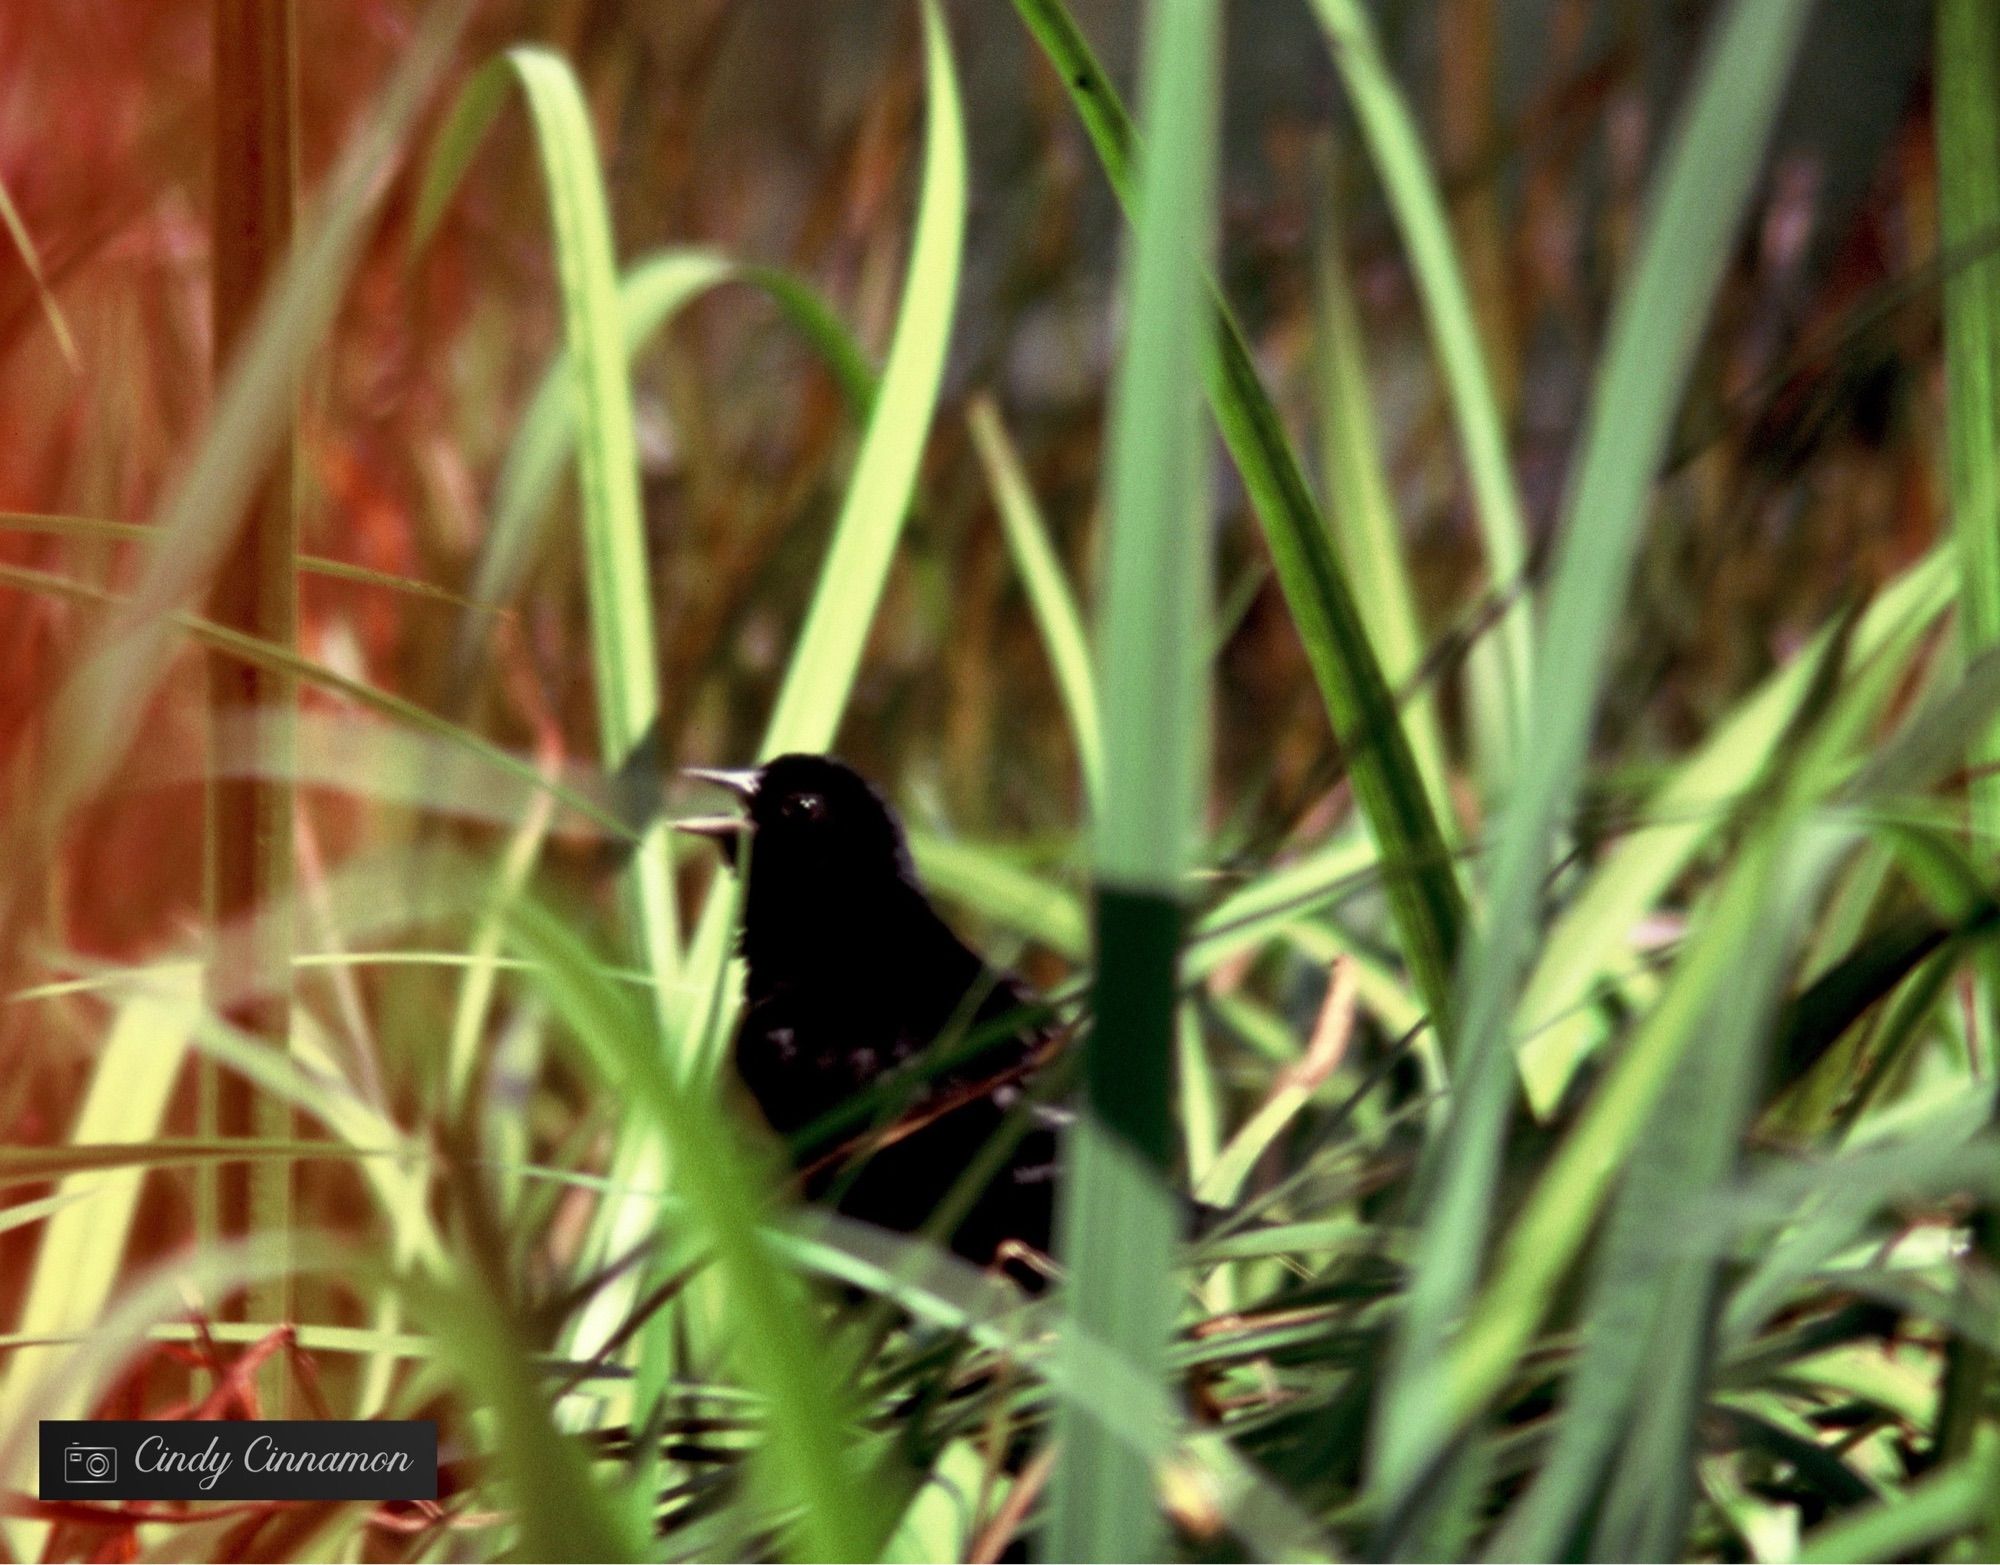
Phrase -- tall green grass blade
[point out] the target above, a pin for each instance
(1420, 879)
(1049, 595)
(1698, 201)
(1418, 204)
(1362, 506)
(1968, 151)
(826, 657)
(624, 656)
(1968, 137)
(1118, 1220)
(827, 653)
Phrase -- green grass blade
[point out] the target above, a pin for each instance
(1117, 1226)
(1698, 201)
(827, 654)
(1968, 154)
(1968, 135)
(77, 1263)
(1049, 595)
(1590, 940)
(828, 651)
(1907, 1524)
(1418, 205)
(624, 655)
(1421, 880)
(559, 1505)
(1361, 505)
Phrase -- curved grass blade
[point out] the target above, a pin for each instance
(827, 654)
(1407, 179)
(1421, 880)
(209, 634)
(624, 655)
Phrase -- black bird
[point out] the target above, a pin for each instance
(851, 975)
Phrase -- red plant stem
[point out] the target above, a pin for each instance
(255, 591)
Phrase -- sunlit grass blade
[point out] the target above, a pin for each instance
(1904, 1526)
(1360, 502)
(1414, 197)
(826, 654)
(1421, 880)
(1699, 195)
(24, 246)
(1118, 1221)
(1049, 595)
(1590, 940)
(624, 653)
(1014, 898)
(828, 650)
(1722, 985)
(77, 1263)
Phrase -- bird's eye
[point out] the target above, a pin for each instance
(805, 807)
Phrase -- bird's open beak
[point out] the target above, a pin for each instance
(729, 830)
(741, 781)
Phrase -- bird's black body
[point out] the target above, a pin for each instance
(851, 975)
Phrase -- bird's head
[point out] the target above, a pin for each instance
(812, 829)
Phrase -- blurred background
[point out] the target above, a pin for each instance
(786, 132)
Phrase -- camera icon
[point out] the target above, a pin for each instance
(90, 1464)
